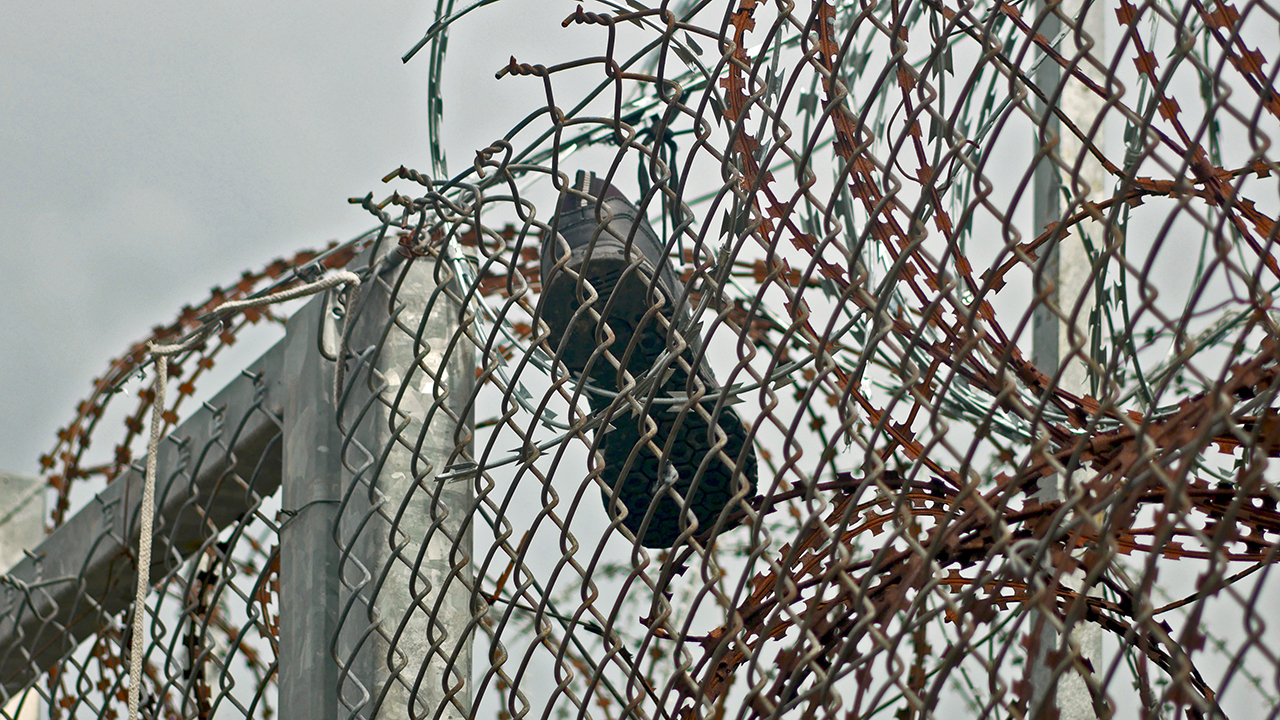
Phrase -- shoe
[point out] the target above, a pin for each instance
(640, 479)
(618, 255)
(607, 257)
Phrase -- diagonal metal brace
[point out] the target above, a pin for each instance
(213, 469)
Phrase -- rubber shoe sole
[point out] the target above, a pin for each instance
(649, 483)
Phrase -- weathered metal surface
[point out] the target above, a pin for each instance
(211, 470)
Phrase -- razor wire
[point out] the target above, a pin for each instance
(875, 216)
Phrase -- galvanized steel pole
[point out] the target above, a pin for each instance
(1060, 341)
(311, 488)
(22, 509)
(405, 638)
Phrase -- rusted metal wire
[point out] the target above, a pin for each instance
(846, 194)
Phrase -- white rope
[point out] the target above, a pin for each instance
(162, 353)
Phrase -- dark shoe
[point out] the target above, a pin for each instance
(647, 482)
(614, 256)
(614, 263)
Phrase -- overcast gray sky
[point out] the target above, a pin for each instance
(152, 150)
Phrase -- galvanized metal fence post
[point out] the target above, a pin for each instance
(22, 510)
(407, 585)
(311, 488)
(1058, 341)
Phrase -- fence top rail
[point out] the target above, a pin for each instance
(211, 470)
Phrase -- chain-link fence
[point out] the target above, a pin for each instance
(884, 359)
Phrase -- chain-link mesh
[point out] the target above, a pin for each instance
(900, 359)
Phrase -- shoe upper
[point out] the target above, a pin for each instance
(595, 220)
(605, 208)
